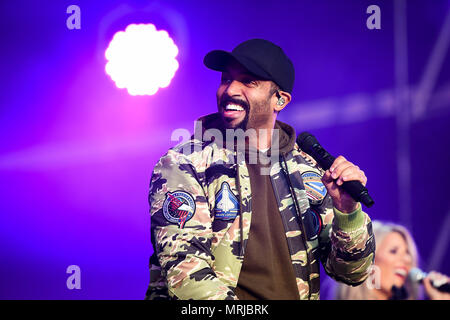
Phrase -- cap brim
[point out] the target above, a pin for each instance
(218, 60)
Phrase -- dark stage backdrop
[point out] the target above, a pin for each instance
(76, 153)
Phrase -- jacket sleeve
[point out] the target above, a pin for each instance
(181, 226)
(347, 245)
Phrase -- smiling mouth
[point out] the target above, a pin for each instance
(401, 273)
(233, 107)
(232, 110)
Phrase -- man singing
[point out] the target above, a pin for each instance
(228, 225)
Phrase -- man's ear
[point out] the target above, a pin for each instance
(283, 98)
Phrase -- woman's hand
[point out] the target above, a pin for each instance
(432, 292)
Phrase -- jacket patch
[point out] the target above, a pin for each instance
(315, 190)
(313, 224)
(227, 205)
(178, 207)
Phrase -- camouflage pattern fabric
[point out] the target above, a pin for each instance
(199, 256)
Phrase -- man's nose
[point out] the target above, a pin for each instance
(233, 88)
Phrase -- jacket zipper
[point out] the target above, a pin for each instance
(241, 223)
(297, 207)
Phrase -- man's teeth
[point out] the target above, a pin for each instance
(234, 107)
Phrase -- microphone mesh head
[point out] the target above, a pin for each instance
(416, 275)
(306, 140)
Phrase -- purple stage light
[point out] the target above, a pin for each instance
(141, 59)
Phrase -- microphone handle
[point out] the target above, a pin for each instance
(419, 275)
(358, 192)
(443, 288)
(354, 188)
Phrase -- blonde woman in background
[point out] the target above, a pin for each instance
(396, 254)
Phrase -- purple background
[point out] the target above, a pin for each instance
(76, 153)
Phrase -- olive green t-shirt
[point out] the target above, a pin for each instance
(267, 271)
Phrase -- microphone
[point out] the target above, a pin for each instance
(417, 275)
(311, 146)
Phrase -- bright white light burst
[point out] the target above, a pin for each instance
(141, 59)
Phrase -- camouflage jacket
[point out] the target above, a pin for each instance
(200, 206)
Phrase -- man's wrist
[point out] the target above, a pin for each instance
(348, 208)
(349, 221)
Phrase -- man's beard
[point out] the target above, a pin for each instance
(257, 116)
(224, 101)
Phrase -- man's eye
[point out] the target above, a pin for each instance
(251, 82)
(225, 80)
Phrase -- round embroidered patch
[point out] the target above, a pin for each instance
(178, 207)
(315, 190)
(313, 224)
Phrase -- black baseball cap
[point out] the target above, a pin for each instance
(261, 58)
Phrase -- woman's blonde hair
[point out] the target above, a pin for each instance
(365, 291)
